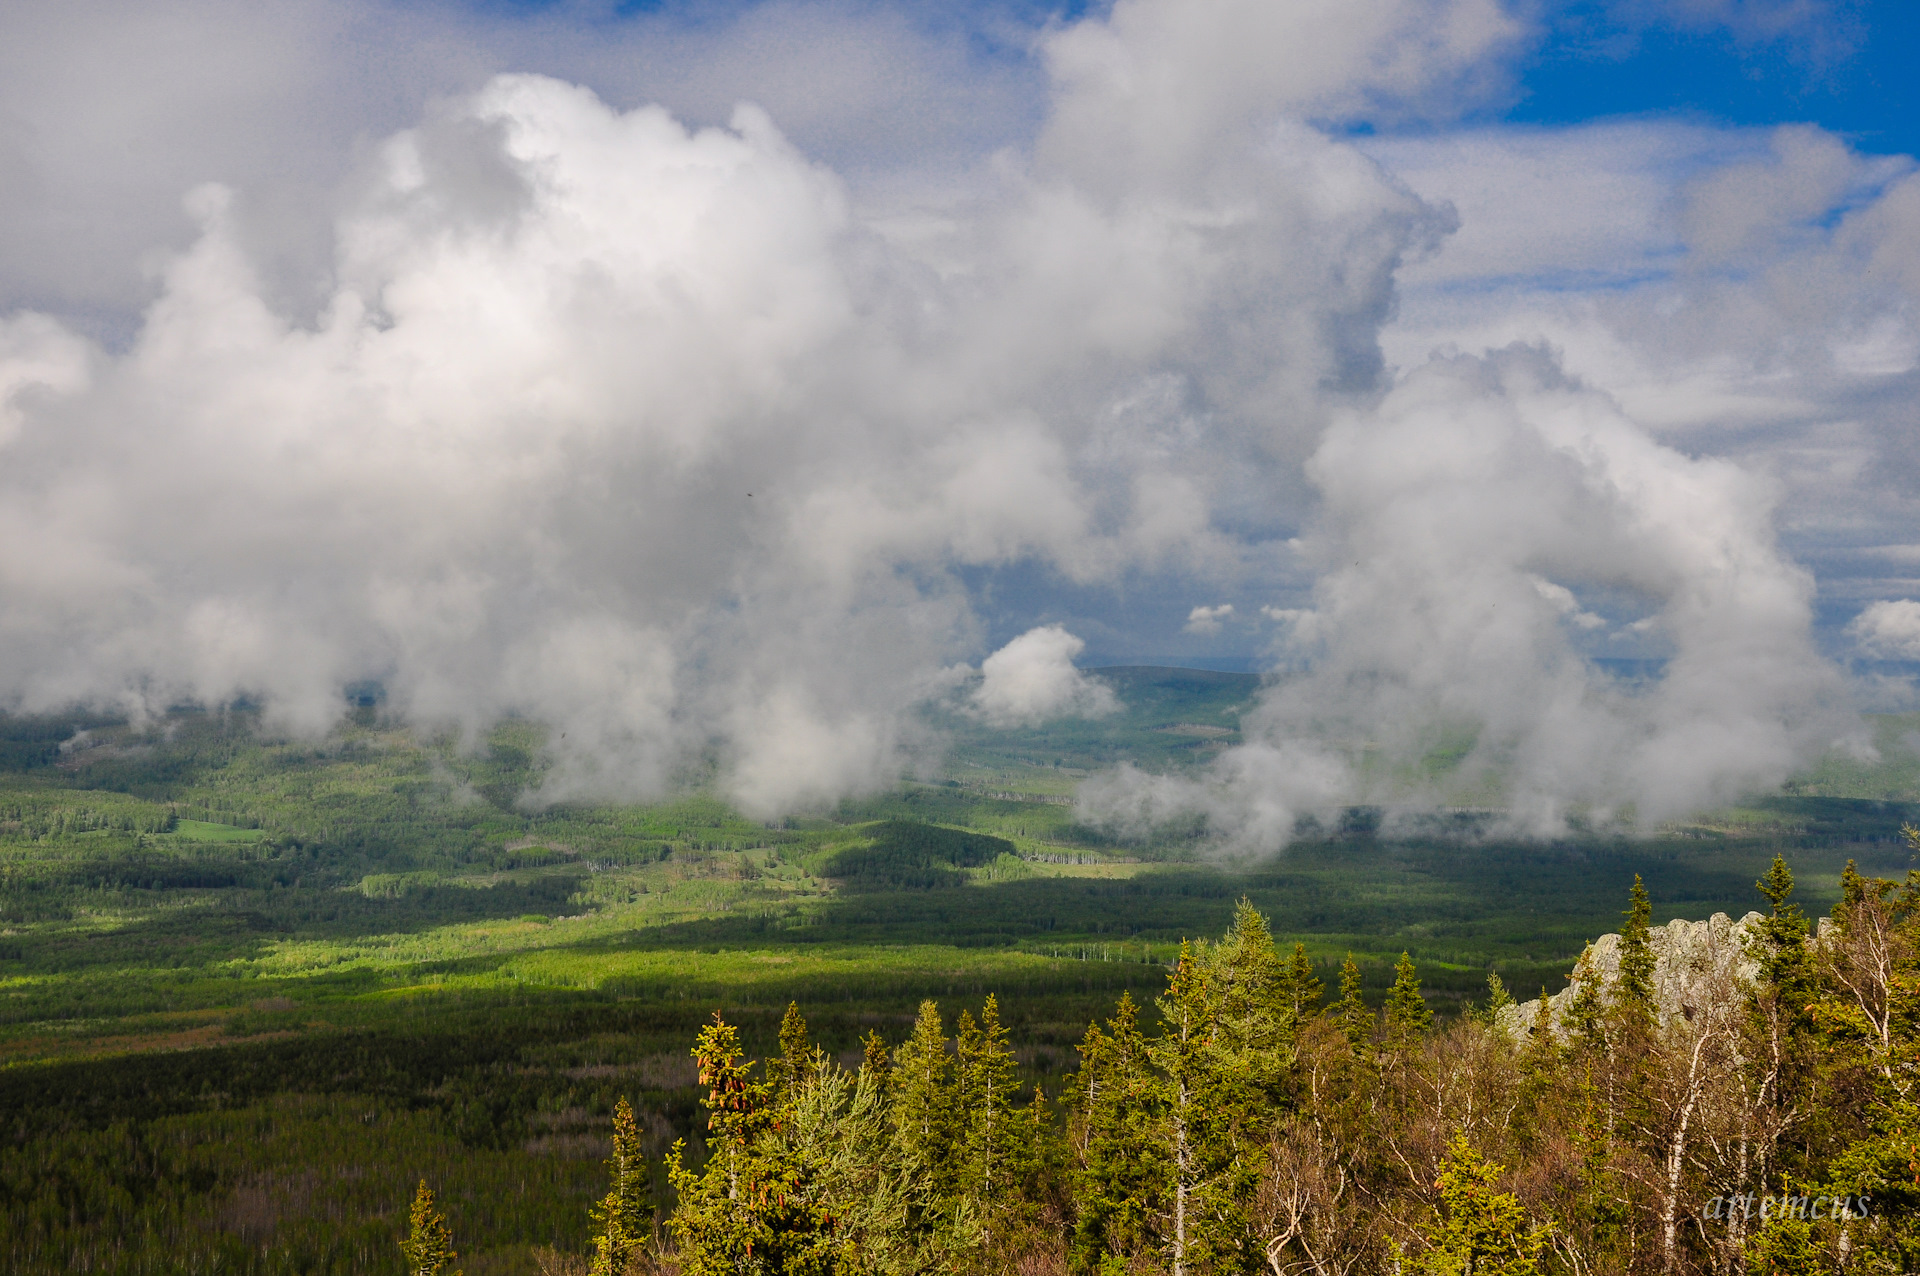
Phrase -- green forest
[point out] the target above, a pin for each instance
(1756, 1119)
(255, 990)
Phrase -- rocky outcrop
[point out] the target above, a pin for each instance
(1689, 959)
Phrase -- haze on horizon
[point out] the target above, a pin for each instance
(740, 377)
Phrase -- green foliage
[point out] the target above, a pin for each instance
(1481, 1232)
(923, 1115)
(1123, 1173)
(428, 1248)
(1406, 1017)
(993, 1148)
(796, 1052)
(1785, 963)
(621, 1219)
(1586, 1017)
(1351, 1012)
(1498, 1000)
(755, 1207)
(1633, 992)
(1302, 985)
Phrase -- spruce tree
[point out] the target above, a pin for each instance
(991, 1130)
(621, 1219)
(756, 1205)
(1586, 1016)
(1481, 1232)
(966, 1045)
(1303, 986)
(796, 1052)
(1782, 1025)
(1498, 999)
(1350, 1012)
(874, 1055)
(429, 1244)
(1633, 991)
(1406, 1018)
(1204, 1085)
(1253, 1009)
(1786, 966)
(877, 1062)
(1121, 1180)
(923, 1112)
(1543, 1050)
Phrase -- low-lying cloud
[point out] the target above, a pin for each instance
(698, 448)
(1033, 678)
(1464, 520)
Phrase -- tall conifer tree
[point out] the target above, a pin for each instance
(1121, 1181)
(1407, 1017)
(621, 1219)
(429, 1244)
(796, 1052)
(1633, 991)
(923, 1112)
(991, 1131)
(1303, 986)
(754, 1207)
(1350, 1012)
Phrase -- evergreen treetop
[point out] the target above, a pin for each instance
(428, 1248)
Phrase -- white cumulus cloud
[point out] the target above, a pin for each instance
(1033, 678)
(1208, 620)
(1453, 516)
(694, 429)
(1889, 629)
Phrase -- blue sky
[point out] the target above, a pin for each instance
(1850, 71)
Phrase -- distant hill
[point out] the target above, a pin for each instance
(1168, 718)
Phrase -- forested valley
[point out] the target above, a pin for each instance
(255, 991)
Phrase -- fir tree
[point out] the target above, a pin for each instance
(1254, 1012)
(621, 1219)
(1481, 1232)
(1303, 986)
(966, 1045)
(988, 1144)
(1543, 1050)
(1350, 1012)
(923, 1112)
(1633, 991)
(874, 1056)
(1586, 1016)
(1406, 1018)
(1498, 999)
(429, 1244)
(754, 1207)
(1786, 966)
(1121, 1180)
(1206, 1083)
(796, 1052)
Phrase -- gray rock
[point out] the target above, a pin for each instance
(1686, 956)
